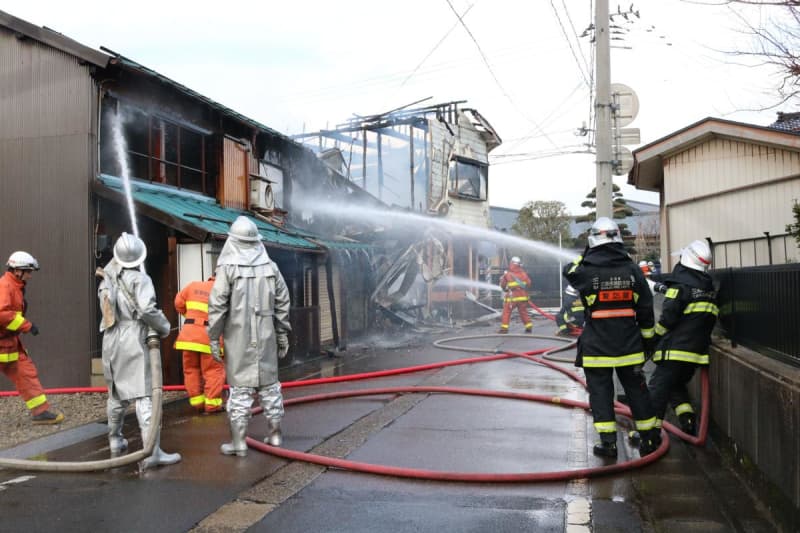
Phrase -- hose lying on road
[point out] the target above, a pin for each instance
(154, 351)
(480, 477)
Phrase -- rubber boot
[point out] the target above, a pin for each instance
(688, 423)
(117, 444)
(274, 436)
(237, 446)
(606, 447)
(650, 441)
(159, 456)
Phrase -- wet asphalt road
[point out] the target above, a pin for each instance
(688, 490)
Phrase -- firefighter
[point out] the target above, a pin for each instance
(645, 268)
(683, 334)
(570, 317)
(616, 333)
(515, 282)
(203, 376)
(14, 360)
(128, 303)
(250, 304)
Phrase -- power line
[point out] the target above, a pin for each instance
(569, 42)
(445, 36)
(494, 76)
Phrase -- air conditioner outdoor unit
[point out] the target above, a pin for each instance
(261, 194)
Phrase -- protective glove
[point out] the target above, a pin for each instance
(34, 330)
(282, 339)
(215, 351)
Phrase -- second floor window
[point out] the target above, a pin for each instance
(159, 150)
(468, 179)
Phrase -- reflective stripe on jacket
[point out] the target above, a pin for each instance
(12, 317)
(516, 282)
(618, 307)
(687, 317)
(192, 303)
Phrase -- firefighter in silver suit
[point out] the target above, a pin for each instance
(128, 302)
(249, 307)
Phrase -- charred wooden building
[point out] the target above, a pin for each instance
(75, 120)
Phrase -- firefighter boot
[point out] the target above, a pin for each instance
(274, 436)
(159, 457)
(688, 423)
(529, 329)
(117, 444)
(607, 447)
(650, 441)
(237, 446)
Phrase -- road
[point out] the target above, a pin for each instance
(687, 490)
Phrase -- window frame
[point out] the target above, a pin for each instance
(454, 182)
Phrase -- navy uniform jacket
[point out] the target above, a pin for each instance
(618, 307)
(687, 317)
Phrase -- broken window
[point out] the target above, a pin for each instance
(159, 149)
(468, 178)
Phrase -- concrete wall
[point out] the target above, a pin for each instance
(755, 402)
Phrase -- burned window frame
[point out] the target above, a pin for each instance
(456, 181)
(174, 149)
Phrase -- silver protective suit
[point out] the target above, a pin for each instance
(130, 295)
(249, 306)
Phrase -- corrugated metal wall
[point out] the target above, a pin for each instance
(47, 159)
(234, 175)
(727, 190)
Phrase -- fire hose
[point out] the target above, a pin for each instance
(154, 352)
(481, 477)
(155, 363)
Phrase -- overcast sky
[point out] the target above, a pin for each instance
(307, 65)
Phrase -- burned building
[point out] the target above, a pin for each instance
(76, 122)
(429, 164)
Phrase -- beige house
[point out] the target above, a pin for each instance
(726, 181)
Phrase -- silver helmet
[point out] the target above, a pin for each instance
(20, 260)
(604, 231)
(244, 229)
(696, 256)
(516, 260)
(129, 250)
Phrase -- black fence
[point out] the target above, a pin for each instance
(760, 308)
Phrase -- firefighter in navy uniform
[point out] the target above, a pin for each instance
(683, 334)
(570, 317)
(618, 330)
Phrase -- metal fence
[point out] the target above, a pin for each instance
(760, 308)
(765, 249)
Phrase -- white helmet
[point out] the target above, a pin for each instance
(244, 229)
(570, 290)
(516, 260)
(604, 231)
(696, 256)
(22, 261)
(129, 250)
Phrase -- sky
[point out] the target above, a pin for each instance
(303, 66)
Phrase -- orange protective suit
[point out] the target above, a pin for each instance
(14, 360)
(515, 282)
(202, 375)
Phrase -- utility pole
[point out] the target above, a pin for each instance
(603, 110)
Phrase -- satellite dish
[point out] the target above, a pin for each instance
(626, 104)
(623, 161)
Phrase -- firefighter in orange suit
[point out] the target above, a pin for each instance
(14, 361)
(515, 282)
(203, 376)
